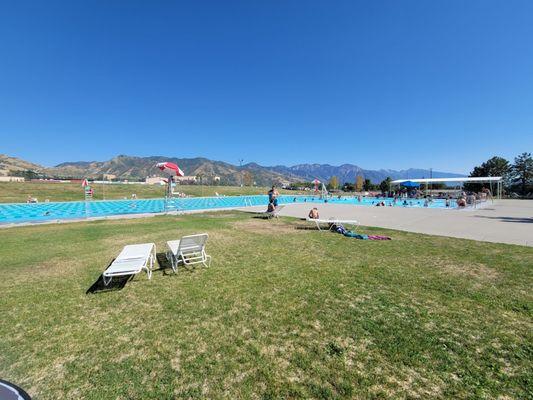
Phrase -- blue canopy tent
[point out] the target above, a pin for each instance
(410, 184)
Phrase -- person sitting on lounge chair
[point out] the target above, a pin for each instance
(313, 214)
(272, 211)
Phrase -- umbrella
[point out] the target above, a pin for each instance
(410, 184)
(172, 168)
(84, 183)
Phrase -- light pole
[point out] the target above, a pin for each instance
(240, 170)
(430, 177)
(201, 176)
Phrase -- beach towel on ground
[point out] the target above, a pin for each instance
(342, 230)
(378, 237)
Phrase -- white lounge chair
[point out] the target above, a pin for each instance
(333, 221)
(188, 250)
(132, 259)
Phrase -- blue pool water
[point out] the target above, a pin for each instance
(21, 212)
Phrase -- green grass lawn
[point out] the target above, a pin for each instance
(16, 192)
(283, 312)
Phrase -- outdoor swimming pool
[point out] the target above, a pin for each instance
(41, 212)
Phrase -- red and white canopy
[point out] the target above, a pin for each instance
(316, 182)
(171, 168)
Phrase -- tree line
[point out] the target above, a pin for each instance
(516, 177)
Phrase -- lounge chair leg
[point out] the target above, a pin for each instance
(149, 272)
(173, 262)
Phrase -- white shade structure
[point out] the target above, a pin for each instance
(477, 179)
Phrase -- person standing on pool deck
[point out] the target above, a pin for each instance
(273, 196)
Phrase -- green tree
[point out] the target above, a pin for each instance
(367, 185)
(384, 186)
(27, 174)
(298, 185)
(496, 166)
(359, 183)
(200, 178)
(522, 171)
(348, 187)
(333, 183)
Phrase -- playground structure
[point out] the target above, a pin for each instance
(320, 189)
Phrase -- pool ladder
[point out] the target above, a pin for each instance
(171, 205)
(247, 202)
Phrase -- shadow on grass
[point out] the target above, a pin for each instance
(262, 216)
(306, 228)
(119, 282)
(164, 264)
(166, 267)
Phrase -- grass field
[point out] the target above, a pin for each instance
(15, 192)
(283, 312)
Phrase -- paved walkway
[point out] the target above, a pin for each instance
(504, 221)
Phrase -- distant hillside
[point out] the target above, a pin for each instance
(138, 168)
(9, 164)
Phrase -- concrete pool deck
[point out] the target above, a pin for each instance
(504, 221)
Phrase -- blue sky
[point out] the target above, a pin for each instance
(382, 84)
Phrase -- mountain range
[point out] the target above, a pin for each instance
(138, 168)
